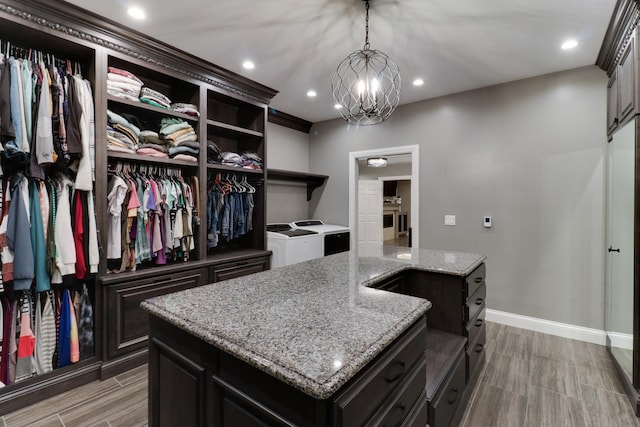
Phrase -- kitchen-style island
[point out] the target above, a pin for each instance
(336, 341)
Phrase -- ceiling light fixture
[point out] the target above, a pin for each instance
(418, 82)
(312, 94)
(136, 12)
(377, 162)
(569, 44)
(337, 106)
(249, 65)
(367, 84)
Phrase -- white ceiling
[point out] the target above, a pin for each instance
(454, 45)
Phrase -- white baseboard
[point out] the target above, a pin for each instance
(621, 340)
(564, 330)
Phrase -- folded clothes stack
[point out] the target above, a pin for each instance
(230, 158)
(189, 109)
(152, 145)
(122, 135)
(251, 160)
(123, 84)
(213, 153)
(155, 98)
(180, 138)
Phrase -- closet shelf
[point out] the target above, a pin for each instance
(234, 130)
(147, 107)
(149, 159)
(215, 166)
(312, 180)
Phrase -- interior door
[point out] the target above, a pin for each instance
(369, 211)
(620, 246)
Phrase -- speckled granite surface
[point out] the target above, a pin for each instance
(315, 324)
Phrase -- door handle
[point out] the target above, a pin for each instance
(613, 250)
(478, 280)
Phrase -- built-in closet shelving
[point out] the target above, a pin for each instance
(312, 180)
(233, 115)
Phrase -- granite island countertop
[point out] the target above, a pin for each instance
(315, 324)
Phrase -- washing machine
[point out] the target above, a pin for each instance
(335, 238)
(290, 245)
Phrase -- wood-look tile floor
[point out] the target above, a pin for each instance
(530, 379)
(533, 379)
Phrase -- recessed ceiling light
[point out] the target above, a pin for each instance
(249, 65)
(569, 44)
(136, 12)
(418, 82)
(311, 93)
(337, 106)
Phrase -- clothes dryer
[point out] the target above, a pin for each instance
(335, 238)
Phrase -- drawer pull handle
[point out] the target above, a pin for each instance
(479, 348)
(394, 377)
(401, 411)
(453, 396)
(479, 322)
(478, 280)
(479, 301)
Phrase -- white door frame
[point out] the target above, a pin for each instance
(354, 156)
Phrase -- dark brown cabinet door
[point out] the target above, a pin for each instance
(177, 387)
(626, 82)
(612, 103)
(127, 323)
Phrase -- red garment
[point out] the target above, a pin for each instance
(27, 341)
(124, 73)
(78, 237)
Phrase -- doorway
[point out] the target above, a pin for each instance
(356, 193)
(396, 210)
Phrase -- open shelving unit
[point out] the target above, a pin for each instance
(312, 180)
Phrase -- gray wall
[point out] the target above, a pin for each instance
(288, 149)
(530, 154)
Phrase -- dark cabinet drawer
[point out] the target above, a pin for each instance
(231, 270)
(475, 353)
(366, 393)
(475, 326)
(473, 281)
(127, 323)
(444, 405)
(475, 304)
(398, 410)
(419, 414)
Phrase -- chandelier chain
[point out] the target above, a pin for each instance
(366, 31)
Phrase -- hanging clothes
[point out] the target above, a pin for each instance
(45, 331)
(17, 228)
(25, 363)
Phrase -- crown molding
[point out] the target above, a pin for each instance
(621, 27)
(70, 20)
(287, 120)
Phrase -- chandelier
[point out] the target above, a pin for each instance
(366, 85)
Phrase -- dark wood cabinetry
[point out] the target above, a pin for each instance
(456, 337)
(622, 96)
(612, 103)
(126, 323)
(221, 390)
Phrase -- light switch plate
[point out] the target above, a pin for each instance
(449, 220)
